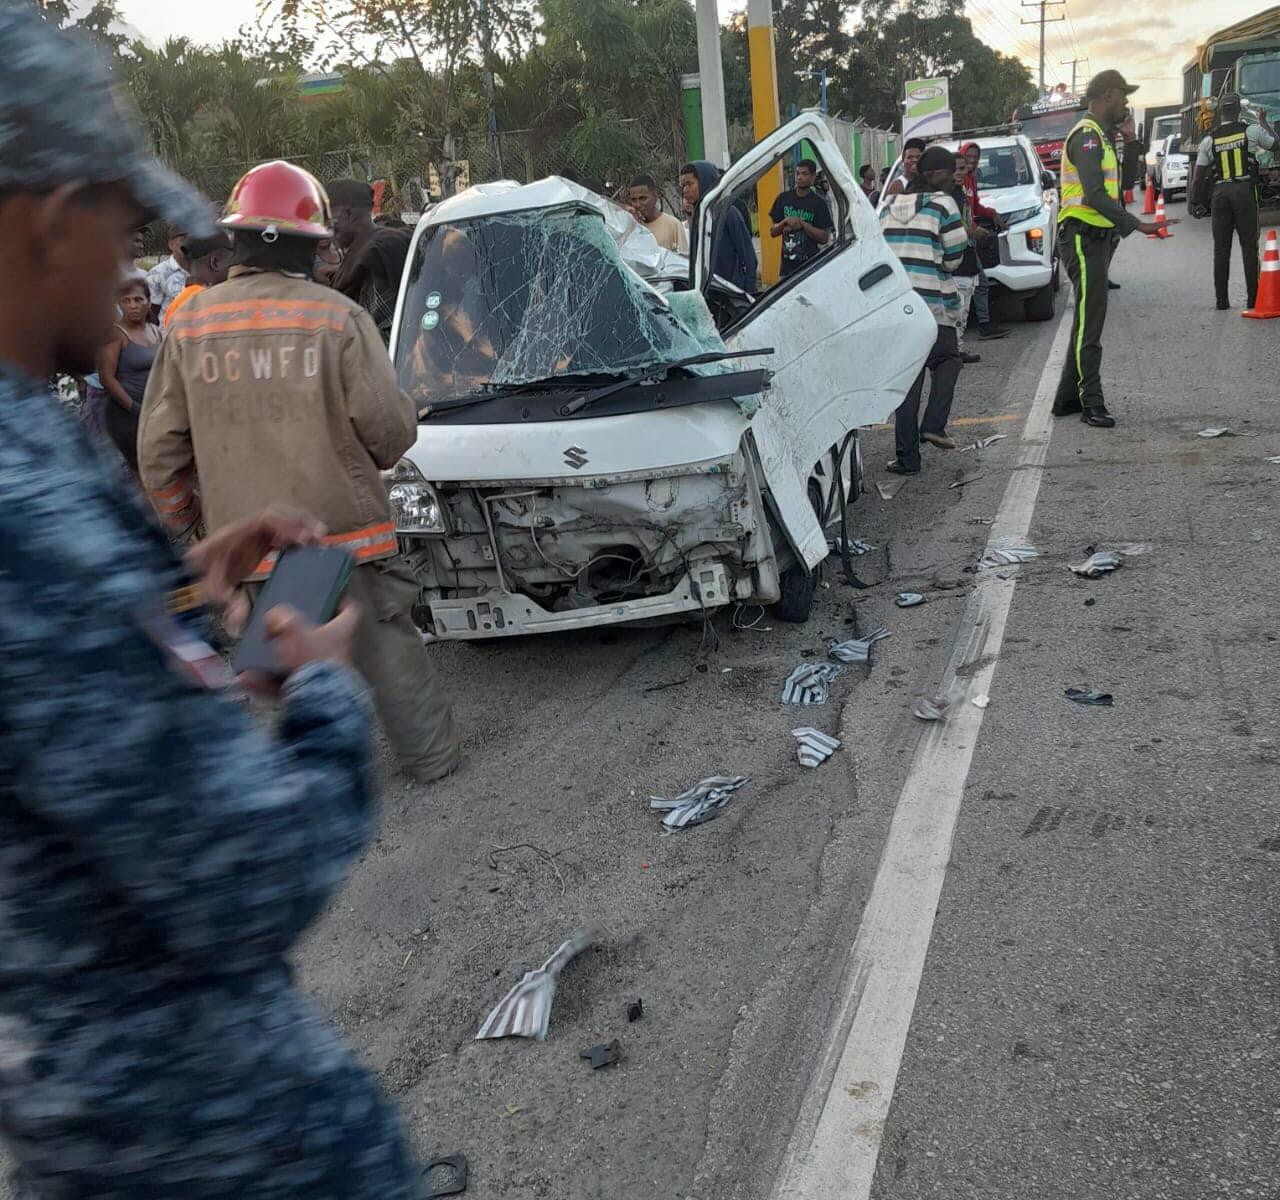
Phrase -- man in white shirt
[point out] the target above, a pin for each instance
(642, 196)
(169, 276)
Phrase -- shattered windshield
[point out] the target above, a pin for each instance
(525, 297)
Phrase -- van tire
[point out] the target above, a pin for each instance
(798, 584)
(1040, 305)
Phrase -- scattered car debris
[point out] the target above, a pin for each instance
(1214, 433)
(983, 443)
(1096, 565)
(635, 1010)
(1083, 696)
(908, 599)
(965, 481)
(454, 1170)
(1009, 554)
(815, 746)
(1276, 459)
(980, 701)
(809, 683)
(937, 709)
(700, 803)
(526, 1009)
(856, 650)
(888, 488)
(603, 1056)
(856, 546)
(981, 521)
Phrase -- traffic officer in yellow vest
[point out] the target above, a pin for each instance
(1090, 216)
(1224, 180)
(271, 389)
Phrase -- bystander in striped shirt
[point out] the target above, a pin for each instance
(926, 232)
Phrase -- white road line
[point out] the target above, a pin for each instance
(833, 1150)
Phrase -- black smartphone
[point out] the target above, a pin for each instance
(310, 579)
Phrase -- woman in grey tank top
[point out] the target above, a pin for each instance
(124, 366)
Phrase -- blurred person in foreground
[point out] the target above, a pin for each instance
(159, 852)
(373, 255)
(273, 389)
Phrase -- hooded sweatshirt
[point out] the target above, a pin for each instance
(976, 207)
(735, 253)
(926, 232)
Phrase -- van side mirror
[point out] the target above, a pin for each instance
(1048, 180)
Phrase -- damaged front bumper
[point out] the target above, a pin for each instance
(510, 558)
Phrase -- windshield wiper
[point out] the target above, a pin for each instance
(491, 391)
(655, 371)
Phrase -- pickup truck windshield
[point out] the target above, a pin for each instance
(1004, 167)
(523, 298)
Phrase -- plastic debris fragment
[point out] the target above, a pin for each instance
(1083, 696)
(1008, 554)
(888, 488)
(980, 701)
(1213, 433)
(908, 599)
(815, 747)
(968, 479)
(603, 1056)
(526, 1009)
(856, 650)
(635, 1010)
(936, 709)
(983, 443)
(1276, 459)
(700, 803)
(856, 546)
(809, 683)
(1099, 564)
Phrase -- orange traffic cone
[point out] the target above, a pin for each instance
(1161, 220)
(1149, 205)
(1268, 302)
(1128, 195)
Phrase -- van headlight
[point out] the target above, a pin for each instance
(1023, 214)
(415, 507)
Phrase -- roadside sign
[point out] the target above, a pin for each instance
(926, 111)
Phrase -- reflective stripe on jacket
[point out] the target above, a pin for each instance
(1231, 158)
(270, 389)
(1072, 190)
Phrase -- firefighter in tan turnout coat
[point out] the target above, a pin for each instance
(270, 388)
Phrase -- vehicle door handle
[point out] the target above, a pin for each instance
(876, 275)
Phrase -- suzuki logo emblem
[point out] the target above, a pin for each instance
(576, 457)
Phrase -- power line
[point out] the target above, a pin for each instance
(1043, 20)
(1073, 63)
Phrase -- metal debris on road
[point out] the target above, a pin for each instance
(454, 1169)
(937, 709)
(526, 1009)
(856, 546)
(1081, 696)
(1276, 459)
(603, 1056)
(888, 488)
(700, 803)
(980, 701)
(908, 599)
(1099, 564)
(1009, 554)
(964, 482)
(1212, 433)
(815, 746)
(981, 521)
(983, 443)
(856, 650)
(635, 1010)
(809, 683)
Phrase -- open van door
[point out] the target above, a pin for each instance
(849, 334)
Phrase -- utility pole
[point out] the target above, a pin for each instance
(1042, 20)
(715, 125)
(764, 109)
(486, 50)
(1072, 63)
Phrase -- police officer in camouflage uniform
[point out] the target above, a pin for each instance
(159, 853)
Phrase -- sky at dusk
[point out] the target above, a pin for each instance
(1149, 40)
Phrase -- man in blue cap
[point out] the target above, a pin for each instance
(159, 853)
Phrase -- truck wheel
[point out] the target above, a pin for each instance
(798, 584)
(1040, 305)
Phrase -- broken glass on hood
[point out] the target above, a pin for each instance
(540, 301)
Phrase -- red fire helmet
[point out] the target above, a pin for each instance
(277, 197)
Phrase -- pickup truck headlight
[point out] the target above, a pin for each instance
(415, 507)
(1023, 214)
(1035, 240)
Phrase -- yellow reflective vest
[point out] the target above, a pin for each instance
(1072, 190)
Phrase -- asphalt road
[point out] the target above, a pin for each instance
(1097, 1012)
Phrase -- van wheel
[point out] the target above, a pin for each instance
(1040, 305)
(798, 584)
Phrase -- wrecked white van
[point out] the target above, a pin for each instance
(600, 442)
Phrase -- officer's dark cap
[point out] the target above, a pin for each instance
(1106, 81)
(1230, 100)
(64, 120)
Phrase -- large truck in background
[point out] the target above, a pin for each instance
(1243, 58)
(1046, 124)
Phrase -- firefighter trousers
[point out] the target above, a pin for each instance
(1235, 215)
(1086, 252)
(389, 652)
